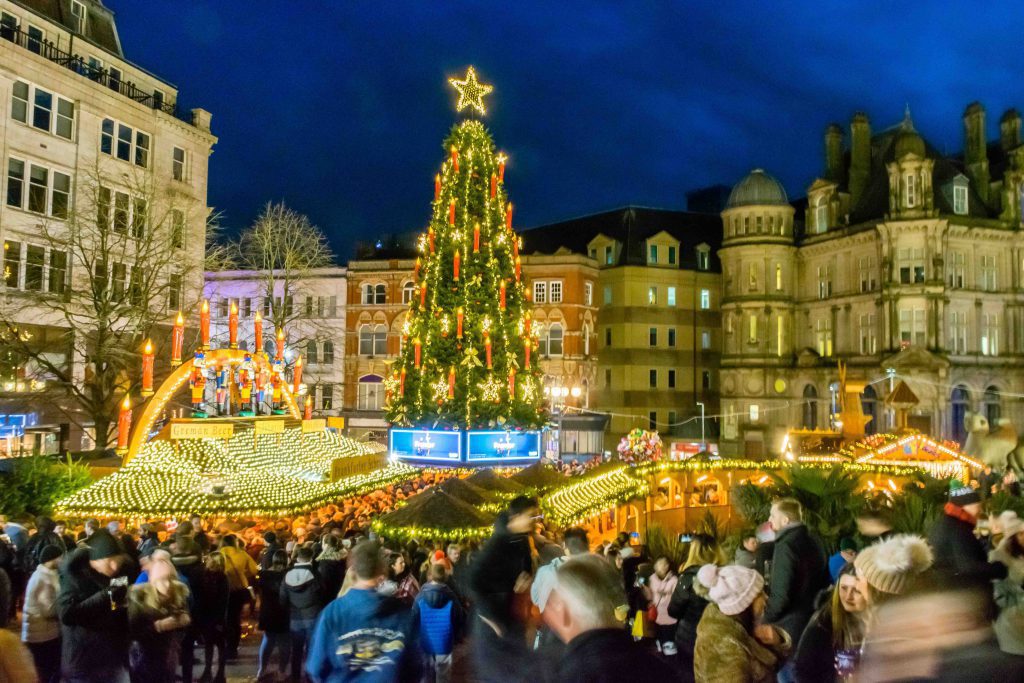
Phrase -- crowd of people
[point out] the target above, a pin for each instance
(332, 602)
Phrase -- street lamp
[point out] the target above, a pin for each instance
(703, 441)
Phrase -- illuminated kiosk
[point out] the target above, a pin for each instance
(459, 448)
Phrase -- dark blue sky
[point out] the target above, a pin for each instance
(339, 107)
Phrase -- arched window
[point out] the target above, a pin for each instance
(312, 353)
(327, 358)
(992, 405)
(243, 345)
(810, 407)
(586, 339)
(373, 341)
(551, 342)
(869, 404)
(367, 294)
(370, 395)
(821, 214)
(959, 401)
(408, 292)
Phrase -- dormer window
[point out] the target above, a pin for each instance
(652, 256)
(609, 255)
(671, 256)
(911, 195)
(821, 214)
(703, 259)
(79, 14)
(960, 200)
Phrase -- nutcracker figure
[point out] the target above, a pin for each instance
(277, 390)
(245, 386)
(197, 383)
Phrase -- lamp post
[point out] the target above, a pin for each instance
(703, 441)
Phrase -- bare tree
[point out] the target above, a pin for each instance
(119, 263)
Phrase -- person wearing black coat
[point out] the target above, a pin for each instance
(44, 536)
(798, 571)
(209, 616)
(273, 618)
(93, 611)
(267, 557)
(499, 577)
(688, 607)
(330, 567)
(960, 558)
(302, 596)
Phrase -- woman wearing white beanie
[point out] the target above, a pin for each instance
(1009, 592)
(731, 646)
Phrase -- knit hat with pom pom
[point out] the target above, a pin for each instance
(889, 566)
(732, 588)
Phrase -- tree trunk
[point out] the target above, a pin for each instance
(102, 427)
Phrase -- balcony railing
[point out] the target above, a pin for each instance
(81, 66)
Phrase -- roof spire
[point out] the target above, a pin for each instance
(907, 123)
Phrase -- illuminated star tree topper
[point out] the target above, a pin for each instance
(471, 92)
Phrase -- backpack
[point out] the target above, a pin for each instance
(35, 558)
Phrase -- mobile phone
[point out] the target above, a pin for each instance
(685, 538)
(634, 534)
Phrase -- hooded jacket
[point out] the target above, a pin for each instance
(39, 618)
(95, 635)
(441, 618)
(726, 652)
(960, 558)
(493, 575)
(273, 615)
(300, 593)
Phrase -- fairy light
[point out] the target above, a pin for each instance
(471, 92)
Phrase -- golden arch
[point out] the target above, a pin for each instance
(177, 379)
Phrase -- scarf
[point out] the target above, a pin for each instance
(957, 512)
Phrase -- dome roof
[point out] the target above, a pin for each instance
(908, 141)
(757, 188)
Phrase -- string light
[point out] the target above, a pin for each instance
(471, 92)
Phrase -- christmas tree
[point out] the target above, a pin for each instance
(468, 358)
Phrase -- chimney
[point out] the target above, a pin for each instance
(201, 119)
(834, 153)
(860, 156)
(1009, 130)
(975, 152)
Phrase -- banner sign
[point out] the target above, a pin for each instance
(201, 430)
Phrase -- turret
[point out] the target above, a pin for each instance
(860, 156)
(1009, 130)
(834, 170)
(975, 153)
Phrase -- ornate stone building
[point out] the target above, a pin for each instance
(901, 260)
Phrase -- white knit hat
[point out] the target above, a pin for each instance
(732, 588)
(889, 566)
(1010, 523)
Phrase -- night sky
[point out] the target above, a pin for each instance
(339, 107)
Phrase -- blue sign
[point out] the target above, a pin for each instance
(423, 444)
(500, 446)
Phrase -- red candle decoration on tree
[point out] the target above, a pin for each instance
(451, 212)
(455, 264)
(177, 339)
(459, 315)
(430, 237)
(279, 352)
(501, 295)
(401, 383)
(455, 159)
(417, 352)
(526, 348)
(124, 423)
(233, 326)
(416, 268)
(423, 295)
(512, 383)
(501, 167)
(515, 248)
(307, 413)
(257, 330)
(451, 382)
(487, 347)
(476, 238)
(519, 268)
(297, 375)
(147, 369)
(437, 187)
(494, 186)
(204, 324)
(508, 216)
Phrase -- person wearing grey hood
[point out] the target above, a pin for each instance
(302, 597)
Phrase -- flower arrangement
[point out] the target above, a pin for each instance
(639, 446)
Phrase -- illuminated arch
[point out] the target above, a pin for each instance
(179, 377)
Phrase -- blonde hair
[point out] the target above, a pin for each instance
(703, 550)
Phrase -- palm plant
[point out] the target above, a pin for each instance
(828, 497)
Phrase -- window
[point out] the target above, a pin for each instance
(821, 214)
(374, 294)
(910, 183)
(592, 253)
(8, 26)
(35, 39)
(15, 182)
(705, 339)
(373, 340)
(670, 298)
(958, 332)
(911, 266)
(671, 337)
(992, 407)
(119, 280)
(759, 223)
(586, 339)
(652, 420)
(540, 292)
(754, 413)
(956, 270)
(778, 277)
(607, 378)
(652, 253)
(371, 393)
(671, 256)
(652, 335)
(988, 273)
(705, 299)
(42, 109)
(652, 378)
(652, 295)
(588, 293)
(824, 282)
(135, 286)
(312, 352)
(866, 270)
(912, 327)
(752, 277)
(121, 209)
(246, 307)
(158, 98)
(178, 164)
(408, 292)
(810, 407)
(703, 259)
(95, 68)
(177, 228)
(868, 338)
(609, 256)
(990, 334)
(823, 336)
(174, 292)
(12, 264)
(555, 291)
(607, 337)
(140, 217)
(49, 192)
(327, 357)
(551, 342)
(114, 80)
(327, 396)
(960, 199)
(671, 379)
(35, 259)
(79, 15)
(308, 308)
(129, 145)
(746, 224)
(58, 271)
(607, 295)
(705, 380)
(752, 328)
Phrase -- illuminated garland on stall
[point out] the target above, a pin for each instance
(406, 533)
(584, 498)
